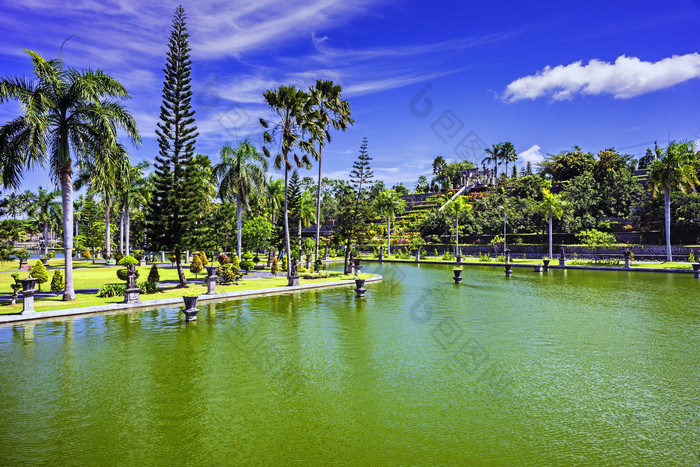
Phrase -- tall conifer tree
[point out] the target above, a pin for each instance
(171, 207)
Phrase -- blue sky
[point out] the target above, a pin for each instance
(422, 78)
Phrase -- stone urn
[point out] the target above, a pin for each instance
(457, 275)
(22, 262)
(360, 288)
(190, 310)
(45, 261)
(509, 269)
(627, 254)
(28, 289)
(696, 270)
(546, 263)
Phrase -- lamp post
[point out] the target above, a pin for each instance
(505, 218)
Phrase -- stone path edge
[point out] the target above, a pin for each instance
(122, 307)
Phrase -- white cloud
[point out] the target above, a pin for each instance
(626, 77)
(532, 155)
(696, 143)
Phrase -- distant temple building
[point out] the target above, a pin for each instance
(481, 176)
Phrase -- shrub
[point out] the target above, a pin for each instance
(16, 286)
(318, 264)
(256, 259)
(223, 259)
(227, 274)
(315, 275)
(447, 256)
(22, 254)
(147, 287)
(234, 262)
(118, 256)
(275, 267)
(173, 258)
(153, 274)
(138, 254)
(122, 274)
(111, 290)
(86, 254)
(40, 273)
(57, 283)
(485, 258)
(196, 266)
(203, 258)
(247, 264)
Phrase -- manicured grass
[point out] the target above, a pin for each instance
(54, 263)
(96, 278)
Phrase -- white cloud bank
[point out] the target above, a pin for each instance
(626, 77)
(532, 155)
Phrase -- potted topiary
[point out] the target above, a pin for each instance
(457, 271)
(23, 256)
(125, 261)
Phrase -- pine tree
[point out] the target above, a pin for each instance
(528, 168)
(40, 273)
(196, 266)
(57, 283)
(153, 274)
(203, 257)
(172, 204)
(355, 213)
(293, 197)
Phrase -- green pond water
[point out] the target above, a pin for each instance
(561, 368)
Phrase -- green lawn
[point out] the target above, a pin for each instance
(96, 278)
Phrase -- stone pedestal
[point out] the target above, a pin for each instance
(417, 256)
(162, 257)
(627, 254)
(381, 253)
(356, 265)
(457, 276)
(131, 296)
(509, 270)
(696, 270)
(211, 280)
(22, 263)
(28, 286)
(293, 280)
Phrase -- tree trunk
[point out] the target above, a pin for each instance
(239, 221)
(550, 236)
(348, 268)
(46, 238)
(286, 223)
(180, 271)
(318, 201)
(388, 235)
(121, 232)
(457, 237)
(127, 231)
(667, 208)
(300, 242)
(67, 201)
(108, 239)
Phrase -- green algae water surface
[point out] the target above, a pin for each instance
(558, 368)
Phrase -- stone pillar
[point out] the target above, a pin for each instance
(211, 280)
(627, 258)
(417, 255)
(162, 257)
(325, 253)
(381, 253)
(28, 286)
(187, 257)
(308, 262)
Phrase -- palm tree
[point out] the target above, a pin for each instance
(133, 191)
(46, 209)
(389, 204)
(16, 203)
(508, 154)
(102, 174)
(274, 197)
(66, 113)
(241, 172)
(494, 156)
(676, 169)
(456, 208)
(551, 206)
(293, 108)
(332, 110)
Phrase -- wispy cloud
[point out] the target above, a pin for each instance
(626, 77)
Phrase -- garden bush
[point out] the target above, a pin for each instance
(40, 273)
(111, 290)
(196, 266)
(247, 264)
(275, 269)
(153, 274)
(148, 287)
(57, 283)
(121, 273)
